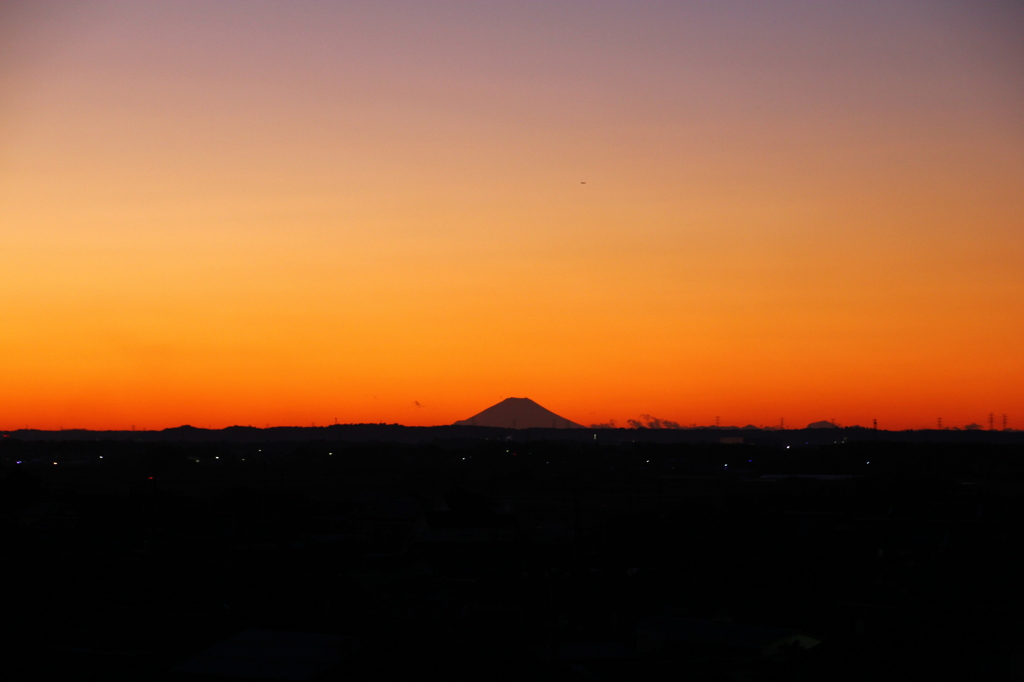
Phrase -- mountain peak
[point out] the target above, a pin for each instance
(518, 413)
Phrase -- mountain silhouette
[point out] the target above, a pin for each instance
(518, 413)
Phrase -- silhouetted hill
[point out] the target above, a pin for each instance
(464, 431)
(518, 413)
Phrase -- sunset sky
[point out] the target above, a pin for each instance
(287, 213)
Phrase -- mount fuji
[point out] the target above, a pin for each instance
(518, 413)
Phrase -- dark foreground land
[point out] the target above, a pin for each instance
(488, 558)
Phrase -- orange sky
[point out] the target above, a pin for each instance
(290, 213)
